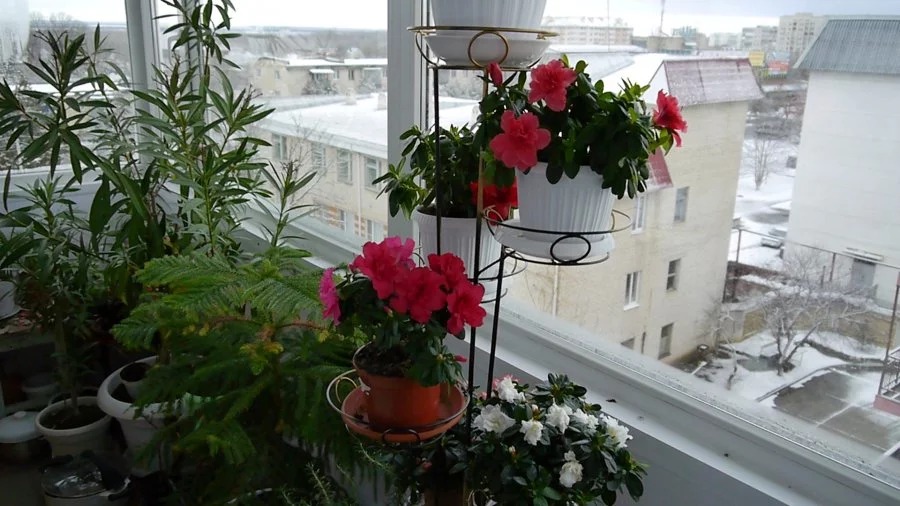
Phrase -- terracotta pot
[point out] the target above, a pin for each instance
(399, 403)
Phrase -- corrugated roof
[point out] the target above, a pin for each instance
(711, 81)
(863, 45)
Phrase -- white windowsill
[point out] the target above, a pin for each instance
(630, 306)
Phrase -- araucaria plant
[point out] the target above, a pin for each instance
(546, 445)
(404, 310)
(568, 121)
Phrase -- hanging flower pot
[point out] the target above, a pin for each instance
(458, 237)
(574, 205)
(395, 401)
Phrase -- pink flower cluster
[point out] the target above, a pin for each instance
(418, 292)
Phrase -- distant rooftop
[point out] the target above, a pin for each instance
(322, 62)
(869, 45)
(710, 81)
(589, 21)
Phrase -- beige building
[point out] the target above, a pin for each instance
(796, 32)
(588, 30)
(317, 76)
(665, 273)
(759, 38)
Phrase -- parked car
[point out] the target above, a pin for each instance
(775, 239)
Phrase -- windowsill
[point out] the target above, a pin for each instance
(671, 290)
(630, 306)
(637, 232)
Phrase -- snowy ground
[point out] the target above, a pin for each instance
(826, 391)
(761, 210)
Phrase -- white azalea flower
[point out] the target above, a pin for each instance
(492, 419)
(618, 433)
(557, 416)
(569, 456)
(532, 430)
(589, 421)
(570, 473)
(506, 390)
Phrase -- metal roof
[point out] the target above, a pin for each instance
(869, 45)
(711, 81)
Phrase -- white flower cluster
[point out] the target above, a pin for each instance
(571, 472)
(589, 421)
(506, 390)
(533, 430)
(618, 433)
(558, 416)
(492, 419)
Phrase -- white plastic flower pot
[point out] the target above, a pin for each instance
(489, 13)
(458, 237)
(79, 439)
(572, 205)
(138, 430)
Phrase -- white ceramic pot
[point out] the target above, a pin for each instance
(489, 13)
(74, 441)
(138, 430)
(458, 237)
(570, 205)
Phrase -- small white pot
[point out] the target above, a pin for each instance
(138, 431)
(489, 13)
(570, 205)
(74, 441)
(458, 237)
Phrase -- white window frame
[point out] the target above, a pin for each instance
(672, 275)
(665, 340)
(318, 155)
(345, 166)
(632, 289)
(279, 147)
(368, 180)
(640, 214)
(371, 227)
(681, 204)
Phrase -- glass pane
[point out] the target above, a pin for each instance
(775, 218)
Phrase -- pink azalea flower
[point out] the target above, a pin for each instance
(329, 297)
(496, 74)
(520, 141)
(549, 82)
(667, 116)
(464, 304)
(449, 266)
(383, 263)
(419, 294)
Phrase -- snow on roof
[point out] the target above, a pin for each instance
(868, 45)
(366, 62)
(349, 62)
(711, 81)
(595, 48)
(359, 126)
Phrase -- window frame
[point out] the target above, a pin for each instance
(318, 154)
(340, 166)
(632, 290)
(367, 180)
(665, 350)
(673, 275)
(681, 204)
(640, 214)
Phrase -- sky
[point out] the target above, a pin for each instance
(708, 15)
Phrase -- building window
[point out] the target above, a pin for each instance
(277, 74)
(632, 289)
(348, 222)
(681, 201)
(279, 147)
(665, 341)
(351, 74)
(372, 173)
(344, 167)
(637, 221)
(672, 276)
(628, 343)
(318, 157)
(374, 231)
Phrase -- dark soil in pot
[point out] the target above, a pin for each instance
(65, 419)
(135, 371)
(393, 362)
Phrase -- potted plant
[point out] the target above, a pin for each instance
(576, 144)
(529, 445)
(414, 192)
(404, 312)
(493, 13)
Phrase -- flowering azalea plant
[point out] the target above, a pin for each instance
(416, 188)
(547, 445)
(568, 121)
(405, 310)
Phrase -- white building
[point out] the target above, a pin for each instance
(588, 30)
(760, 38)
(846, 190)
(796, 32)
(311, 76)
(653, 294)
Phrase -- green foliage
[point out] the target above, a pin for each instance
(248, 368)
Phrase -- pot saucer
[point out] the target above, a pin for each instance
(553, 245)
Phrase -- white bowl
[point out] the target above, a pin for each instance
(492, 13)
(454, 49)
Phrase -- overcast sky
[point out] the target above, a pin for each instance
(708, 15)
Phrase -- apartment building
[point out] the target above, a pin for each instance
(759, 38)
(796, 32)
(317, 76)
(588, 30)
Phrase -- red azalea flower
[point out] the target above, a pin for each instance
(520, 141)
(502, 198)
(496, 74)
(550, 82)
(329, 297)
(668, 116)
(384, 262)
(449, 266)
(461, 359)
(419, 294)
(464, 304)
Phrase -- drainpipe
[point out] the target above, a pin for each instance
(555, 307)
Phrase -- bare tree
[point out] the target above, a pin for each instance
(805, 302)
(758, 158)
(720, 324)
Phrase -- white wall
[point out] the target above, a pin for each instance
(847, 188)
